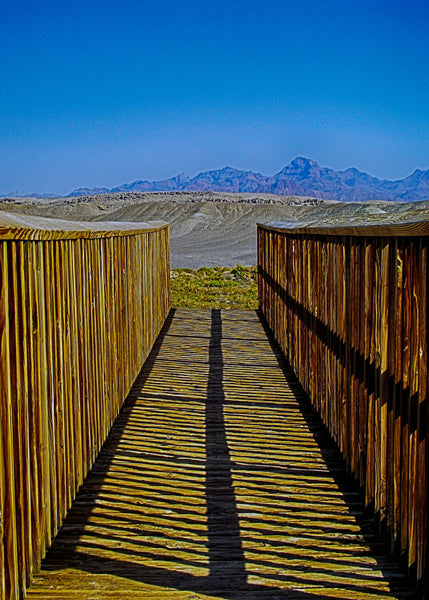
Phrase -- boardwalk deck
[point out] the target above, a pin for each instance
(217, 481)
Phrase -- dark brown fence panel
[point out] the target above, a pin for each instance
(349, 308)
(80, 308)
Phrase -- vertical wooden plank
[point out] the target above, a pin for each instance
(422, 495)
(44, 448)
(355, 311)
(167, 267)
(405, 409)
(390, 390)
(261, 254)
(74, 350)
(329, 370)
(376, 357)
(264, 266)
(271, 238)
(81, 262)
(327, 350)
(18, 375)
(32, 401)
(369, 373)
(377, 408)
(104, 340)
(304, 320)
(336, 384)
(336, 388)
(2, 503)
(56, 368)
(15, 406)
(351, 316)
(297, 298)
(10, 570)
(57, 379)
(414, 411)
(384, 391)
(323, 303)
(376, 354)
(51, 383)
(398, 415)
(63, 374)
(346, 334)
(363, 391)
(312, 308)
(94, 392)
(289, 283)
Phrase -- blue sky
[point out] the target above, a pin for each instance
(99, 93)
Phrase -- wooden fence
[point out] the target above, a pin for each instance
(349, 308)
(80, 307)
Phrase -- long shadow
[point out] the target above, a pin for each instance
(361, 367)
(404, 405)
(226, 576)
(222, 516)
(336, 464)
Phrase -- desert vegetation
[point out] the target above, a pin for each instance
(215, 287)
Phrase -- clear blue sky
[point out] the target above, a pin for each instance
(99, 93)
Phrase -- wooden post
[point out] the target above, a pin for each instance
(80, 308)
(356, 317)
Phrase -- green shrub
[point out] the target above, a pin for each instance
(215, 287)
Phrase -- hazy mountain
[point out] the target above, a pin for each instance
(305, 177)
(416, 186)
(165, 185)
(34, 195)
(302, 177)
(227, 180)
(88, 191)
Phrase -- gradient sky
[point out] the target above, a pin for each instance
(99, 93)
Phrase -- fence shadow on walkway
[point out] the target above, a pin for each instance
(168, 517)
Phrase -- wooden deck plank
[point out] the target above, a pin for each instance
(216, 482)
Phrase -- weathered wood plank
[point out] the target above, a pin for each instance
(9, 569)
(410, 229)
(62, 381)
(25, 227)
(422, 496)
(212, 484)
(371, 361)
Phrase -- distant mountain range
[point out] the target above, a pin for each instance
(302, 177)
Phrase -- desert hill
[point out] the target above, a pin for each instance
(208, 228)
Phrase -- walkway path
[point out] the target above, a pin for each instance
(216, 482)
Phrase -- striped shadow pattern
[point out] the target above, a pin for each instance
(217, 481)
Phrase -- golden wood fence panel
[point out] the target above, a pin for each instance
(349, 308)
(81, 305)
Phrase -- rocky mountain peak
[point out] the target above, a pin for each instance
(300, 162)
(303, 176)
(182, 178)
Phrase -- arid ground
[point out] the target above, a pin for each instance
(212, 228)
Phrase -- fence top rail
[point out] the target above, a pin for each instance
(28, 227)
(418, 228)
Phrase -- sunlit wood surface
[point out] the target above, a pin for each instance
(351, 314)
(216, 482)
(80, 308)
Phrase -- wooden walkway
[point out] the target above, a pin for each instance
(217, 481)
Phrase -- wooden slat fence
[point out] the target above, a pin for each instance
(349, 308)
(80, 307)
